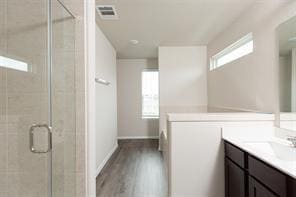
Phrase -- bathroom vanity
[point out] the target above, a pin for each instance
(247, 175)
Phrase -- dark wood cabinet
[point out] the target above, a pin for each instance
(234, 179)
(235, 154)
(272, 178)
(258, 190)
(248, 176)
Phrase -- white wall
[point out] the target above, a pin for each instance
(251, 82)
(129, 96)
(106, 100)
(183, 82)
(87, 147)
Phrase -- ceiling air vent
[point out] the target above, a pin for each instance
(107, 12)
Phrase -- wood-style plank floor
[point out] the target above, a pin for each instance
(136, 169)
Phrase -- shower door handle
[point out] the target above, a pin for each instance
(49, 138)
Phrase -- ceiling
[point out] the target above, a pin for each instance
(167, 23)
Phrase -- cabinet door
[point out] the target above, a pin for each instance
(258, 190)
(234, 180)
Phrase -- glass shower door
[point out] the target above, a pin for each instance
(26, 97)
(37, 92)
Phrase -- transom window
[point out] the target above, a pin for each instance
(240, 48)
(13, 64)
(150, 94)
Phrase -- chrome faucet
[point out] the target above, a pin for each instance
(293, 140)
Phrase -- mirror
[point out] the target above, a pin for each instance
(287, 74)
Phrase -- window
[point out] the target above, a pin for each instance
(242, 47)
(150, 92)
(13, 64)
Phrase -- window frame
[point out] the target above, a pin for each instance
(239, 43)
(142, 103)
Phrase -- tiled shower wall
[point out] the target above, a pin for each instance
(77, 7)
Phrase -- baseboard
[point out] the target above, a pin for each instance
(101, 166)
(137, 137)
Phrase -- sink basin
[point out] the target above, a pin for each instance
(283, 151)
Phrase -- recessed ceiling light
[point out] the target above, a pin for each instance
(134, 42)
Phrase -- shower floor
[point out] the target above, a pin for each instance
(136, 169)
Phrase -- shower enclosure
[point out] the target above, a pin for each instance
(37, 99)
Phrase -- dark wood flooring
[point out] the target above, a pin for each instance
(136, 169)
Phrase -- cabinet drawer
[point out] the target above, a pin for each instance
(235, 154)
(272, 178)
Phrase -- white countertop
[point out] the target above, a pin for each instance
(233, 116)
(242, 137)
